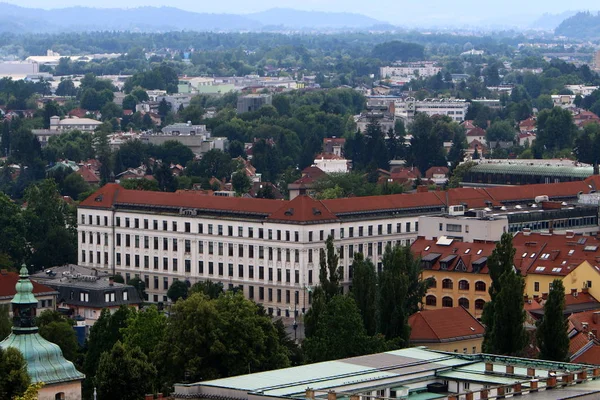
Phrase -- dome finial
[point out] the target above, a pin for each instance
(24, 272)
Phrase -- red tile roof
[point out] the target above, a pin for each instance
(442, 325)
(8, 280)
(303, 209)
(591, 356)
(467, 257)
(476, 132)
(578, 341)
(530, 192)
(88, 175)
(593, 323)
(436, 171)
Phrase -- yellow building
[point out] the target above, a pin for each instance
(586, 277)
(451, 329)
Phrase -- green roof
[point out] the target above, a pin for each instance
(45, 361)
(542, 170)
(24, 289)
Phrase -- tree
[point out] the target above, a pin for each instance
(140, 184)
(13, 373)
(32, 392)
(329, 275)
(456, 155)
(13, 245)
(208, 339)
(340, 333)
(556, 131)
(163, 107)
(240, 182)
(129, 102)
(57, 329)
(209, 288)
(426, 146)
(50, 226)
(74, 185)
(110, 111)
(124, 373)
(178, 290)
(364, 291)
(164, 178)
(144, 330)
(508, 335)
(214, 163)
(5, 322)
(66, 87)
(139, 285)
(401, 290)
(552, 329)
(500, 131)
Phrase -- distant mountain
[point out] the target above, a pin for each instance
(297, 19)
(549, 22)
(152, 19)
(583, 25)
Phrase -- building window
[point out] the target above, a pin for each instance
(479, 303)
(453, 228)
(431, 300)
(188, 266)
(447, 302)
(480, 286)
(536, 286)
(463, 302)
(463, 285)
(447, 284)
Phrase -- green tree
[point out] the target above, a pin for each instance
(139, 285)
(500, 131)
(13, 373)
(177, 290)
(340, 333)
(240, 182)
(163, 107)
(124, 373)
(110, 111)
(74, 185)
(13, 245)
(364, 290)
(456, 155)
(401, 291)
(552, 329)
(5, 322)
(66, 87)
(144, 329)
(426, 146)
(556, 131)
(129, 102)
(209, 288)
(57, 329)
(165, 179)
(329, 274)
(140, 184)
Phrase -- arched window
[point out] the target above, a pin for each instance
(479, 303)
(447, 284)
(59, 396)
(433, 282)
(463, 285)
(431, 300)
(480, 286)
(463, 302)
(447, 302)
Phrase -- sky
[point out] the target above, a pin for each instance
(392, 11)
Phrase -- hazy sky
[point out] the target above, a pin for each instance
(394, 11)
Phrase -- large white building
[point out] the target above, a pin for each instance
(269, 248)
(421, 69)
(406, 109)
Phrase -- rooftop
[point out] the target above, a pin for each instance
(8, 280)
(444, 325)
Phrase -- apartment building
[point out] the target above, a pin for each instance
(456, 109)
(422, 69)
(268, 248)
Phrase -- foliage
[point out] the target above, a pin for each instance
(426, 145)
(398, 51)
(124, 373)
(12, 233)
(177, 290)
(59, 330)
(213, 338)
(13, 373)
(5, 322)
(458, 173)
(144, 329)
(140, 184)
(165, 180)
(552, 329)
(556, 131)
(161, 77)
(208, 288)
(500, 131)
(329, 274)
(240, 182)
(364, 291)
(32, 392)
(340, 333)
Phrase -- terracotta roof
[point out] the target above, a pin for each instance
(443, 325)
(337, 141)
(381, 203)
(578, 341)
(472, 197)
(476, 132)
(303, 209)
(436, 171)
(591, 356)
(529, 192)
(578, 319)
(328, 156)
(528, 123)
(457, 256)
(88, 175)
(8, 280)
(558, 255)
(77, 112)
(313, 171)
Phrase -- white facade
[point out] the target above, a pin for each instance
(465, 229)
(68, 124)
(418, 69)
(332, 164)
(275, 263)
(456, 109)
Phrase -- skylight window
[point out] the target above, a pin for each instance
(524, 255)
(532, 255)
(467, 251)
(540, 269)
(427, 248)
(590, 248)
(479, 251)
(571, 252)
(556, 269)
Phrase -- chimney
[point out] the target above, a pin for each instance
(570, 234)
(510, 369)
(530, 371)
(526, 231)
(596, 317)
(551, 382)
(533, 385)
(584, 327)
(582, 376)
(489, 367)
(574, 292)
(310, 394)
(110, 281)
(422, 189)
(483, 394)
(331, 395)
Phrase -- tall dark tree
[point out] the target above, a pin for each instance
(426, 146)
(57, 329)
(364, 290)
(13, 373)
(556, 130)
(552, 330)
(165, 179)
(456, 155)
(329, 274)
(177, 290)
(124, 373)
(5, 322)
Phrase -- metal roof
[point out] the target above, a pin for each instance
(541, 170)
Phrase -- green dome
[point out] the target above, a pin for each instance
(45, 361)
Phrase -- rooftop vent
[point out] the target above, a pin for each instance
(316, 211)
(289, 211)
(99, 198)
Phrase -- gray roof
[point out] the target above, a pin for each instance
(541, 170)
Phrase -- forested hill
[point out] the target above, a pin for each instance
(17, 19)
(583, 25)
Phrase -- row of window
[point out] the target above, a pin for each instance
(447, 301)
(109, 297)
(271, 234)
(463, 284)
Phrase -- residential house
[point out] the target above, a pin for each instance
(89, 175)
(305, 185)
(45, 295)
(448, 329)
(331, 163)
(334, 145)
(584, 343)
(528, 125)
(437, 175)
(474, 134)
